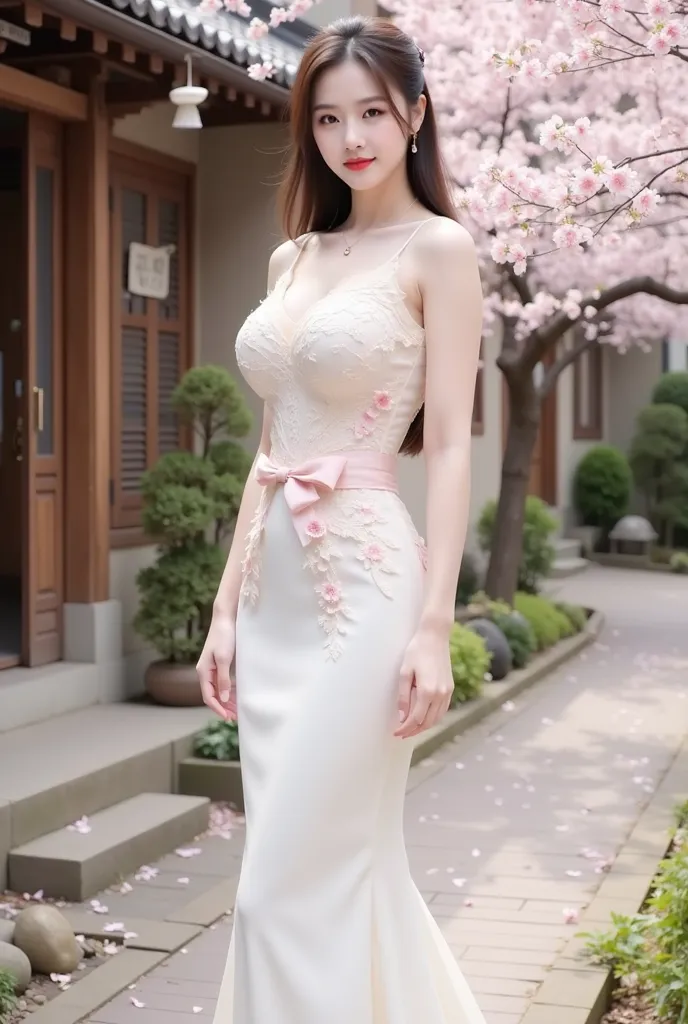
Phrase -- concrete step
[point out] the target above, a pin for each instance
(54, 772)
(564, 567)
(75, 865)
(568, 547)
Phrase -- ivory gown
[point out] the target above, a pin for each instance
(329, 927)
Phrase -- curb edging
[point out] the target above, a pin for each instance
(459, 720)
(576, 991)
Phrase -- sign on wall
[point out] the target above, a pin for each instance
(149, 270)
(14, 33)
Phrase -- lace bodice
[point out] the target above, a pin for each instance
(348, 374)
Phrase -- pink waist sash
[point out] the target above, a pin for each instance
(304, 483)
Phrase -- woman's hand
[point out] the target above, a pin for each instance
(426, 683)
(217, 687)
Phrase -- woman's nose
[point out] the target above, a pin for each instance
(353, 136)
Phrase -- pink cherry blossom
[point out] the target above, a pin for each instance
(331, 594)
(382, 400)
(373, 553)
(315, 528)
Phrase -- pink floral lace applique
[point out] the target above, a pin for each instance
(320, 557)
(382, 402)
(422, 551)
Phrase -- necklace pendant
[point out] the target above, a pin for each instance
(347, 250)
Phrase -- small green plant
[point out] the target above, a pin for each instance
(602, 486)
(519, 635)
(488, 606)
(653, 945)
(8, 999)
(219, 741)
(469, 661)
(574, 613)
(538, 553)
(190, 503)
(548, 623)
(679, 562)
(672, 389)
(468, 580)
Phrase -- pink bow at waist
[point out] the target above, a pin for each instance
(305, 483)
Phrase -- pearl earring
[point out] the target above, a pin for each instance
(414, 147)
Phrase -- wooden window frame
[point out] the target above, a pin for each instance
(135, 167)
(589, 431)
(478, 421)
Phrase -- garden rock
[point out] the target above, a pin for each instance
(44, 934)
(496, 644)
(17, 963)
(6, 931)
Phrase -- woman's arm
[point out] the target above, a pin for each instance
(452, 312)
(227, 598)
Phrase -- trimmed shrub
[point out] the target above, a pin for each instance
(548, 623)
(219, 741)
(470, 662)
(658, 460)
(538, 553)
(672, 389)
(519, 634)
(679, 562)
(574, 613)
(602, 486)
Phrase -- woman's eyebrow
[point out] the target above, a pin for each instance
(333, 106)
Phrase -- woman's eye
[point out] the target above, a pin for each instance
(373, 110)
(323, 119)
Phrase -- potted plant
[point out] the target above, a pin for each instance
(190, 503)
(214, 769)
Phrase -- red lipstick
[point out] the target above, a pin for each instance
(359, 164)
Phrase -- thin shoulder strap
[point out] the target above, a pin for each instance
(413, 234)
(306, 239)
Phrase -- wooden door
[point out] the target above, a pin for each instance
(42, 583)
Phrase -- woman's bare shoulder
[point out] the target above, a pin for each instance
(283, 256)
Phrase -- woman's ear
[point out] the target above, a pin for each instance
(418, 113)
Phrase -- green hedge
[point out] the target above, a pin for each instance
(549, 623)
(470, 661)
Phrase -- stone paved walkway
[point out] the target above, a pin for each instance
(496, 822)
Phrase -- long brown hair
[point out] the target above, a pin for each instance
(314, 198)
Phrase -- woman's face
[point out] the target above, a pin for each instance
(354, 126)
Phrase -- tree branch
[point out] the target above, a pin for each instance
(542, 339)
(576, 350)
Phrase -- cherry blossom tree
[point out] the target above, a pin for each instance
(564, 131)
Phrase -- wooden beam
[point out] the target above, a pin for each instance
(87, 355)
(156, 63)
(128, 54)
(68, 30)
(33, 15)
(26, 91)
(100, 42)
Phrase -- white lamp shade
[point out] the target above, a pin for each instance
(187, 99)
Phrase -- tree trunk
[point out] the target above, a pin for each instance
(524, 422)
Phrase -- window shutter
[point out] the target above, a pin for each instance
(151, 347)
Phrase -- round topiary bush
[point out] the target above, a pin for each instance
(519, 634)
(470, 662)
(497, 646)
(679, 562)
(602, 486)
(469, 580)
(672, 389)
(548, 623)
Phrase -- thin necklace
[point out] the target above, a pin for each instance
(350, 245)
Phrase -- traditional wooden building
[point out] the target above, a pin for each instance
(90, 164)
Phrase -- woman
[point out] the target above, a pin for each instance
(337, 621)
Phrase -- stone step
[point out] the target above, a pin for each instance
(54, 772)
(564, 567)
(567, 547)
(75, 865)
